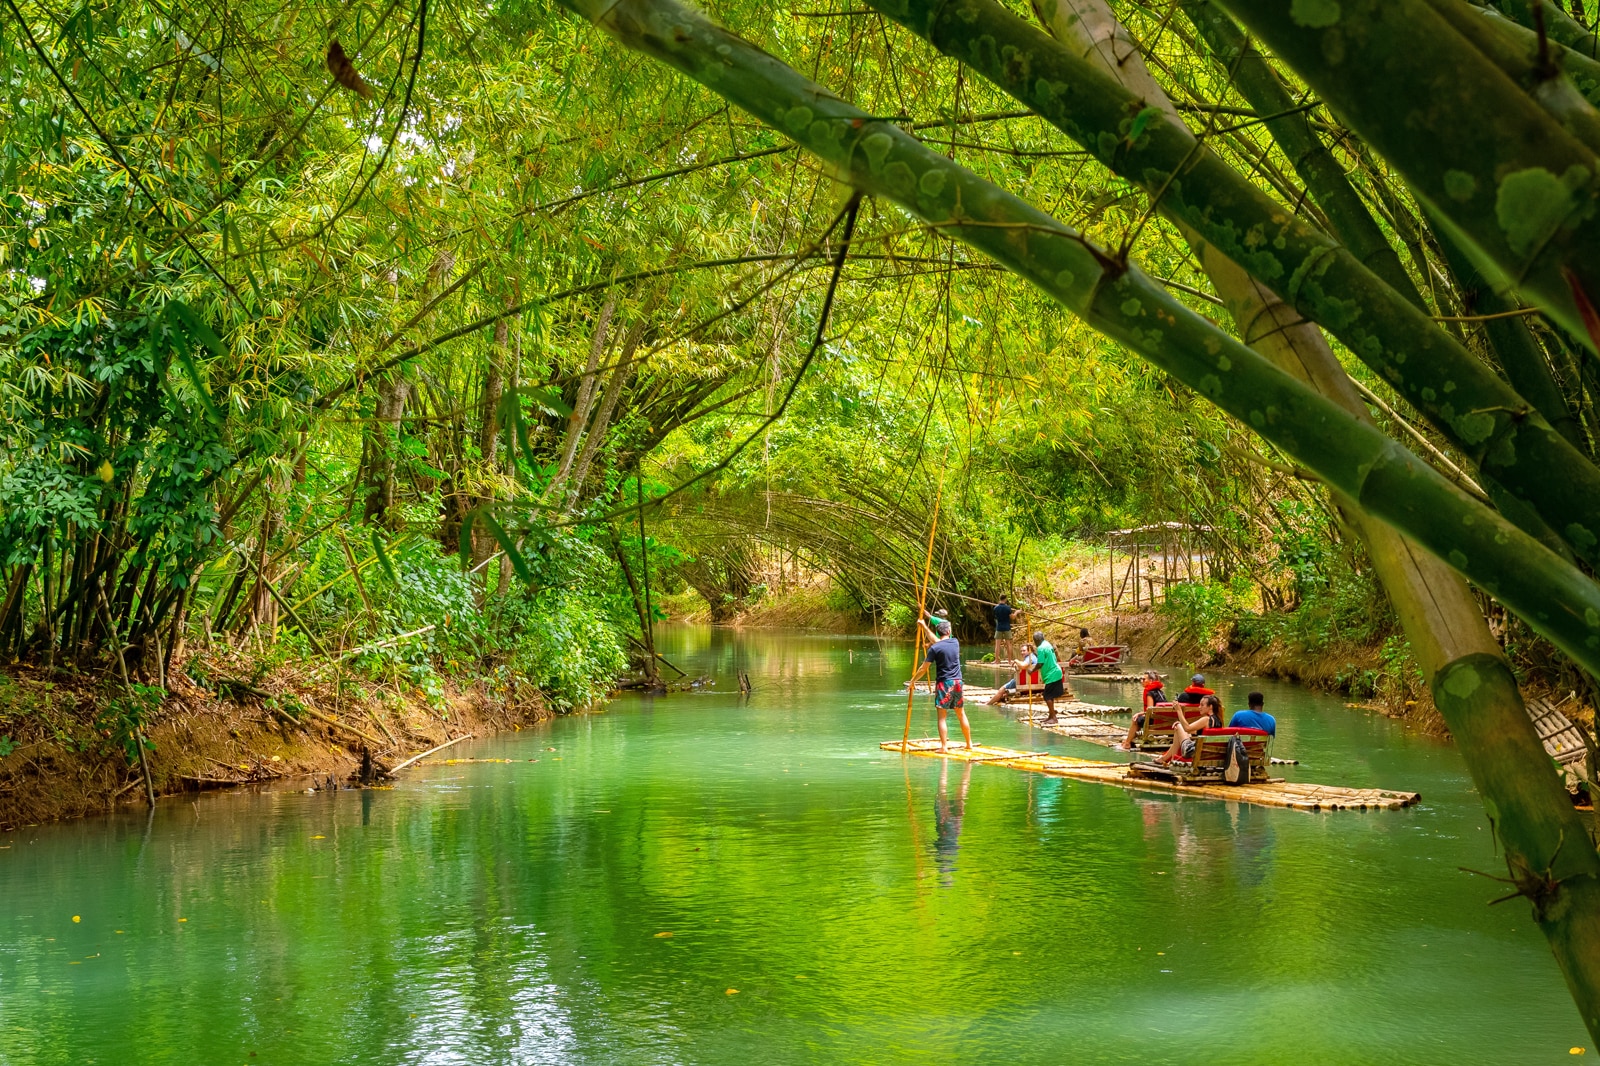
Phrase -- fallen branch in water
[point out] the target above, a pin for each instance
(430, 751)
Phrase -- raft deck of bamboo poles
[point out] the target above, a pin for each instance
(1293, 795)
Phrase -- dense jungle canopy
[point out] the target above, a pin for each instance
(326, 323)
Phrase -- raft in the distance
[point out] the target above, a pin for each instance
(1275, 792)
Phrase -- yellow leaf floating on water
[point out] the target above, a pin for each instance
(76, 918)
(1575, 1051)
(183, 919)
(732, 992)
(319, 836)
(658, 935)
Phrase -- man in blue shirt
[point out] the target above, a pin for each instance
(1002, 631)
(1255, 717)
(944, 653)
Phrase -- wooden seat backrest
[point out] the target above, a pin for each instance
(1158, 724)
(1211, 752)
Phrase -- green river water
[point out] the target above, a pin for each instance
(597, 903)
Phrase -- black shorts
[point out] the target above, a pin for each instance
(1054, 689)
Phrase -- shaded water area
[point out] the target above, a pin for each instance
(599, 902)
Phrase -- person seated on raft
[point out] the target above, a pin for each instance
(1255, 717)
(1154, 692)
(1185, 729)
(1196, 692)
(1027, 674)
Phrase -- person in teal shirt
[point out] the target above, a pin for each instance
(1055, 685)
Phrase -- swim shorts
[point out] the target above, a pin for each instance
(1054, 689)
(947, 695)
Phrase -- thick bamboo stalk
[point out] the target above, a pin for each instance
(1519, 353)
(1531, 65)
(1460, 397)
(1485, 155)
(1561, 26)
(1326, 181)
(1549, 853)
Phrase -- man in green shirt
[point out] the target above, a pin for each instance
(1055, 684)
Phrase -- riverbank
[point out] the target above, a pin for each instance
(1072, 591)
(227, 720)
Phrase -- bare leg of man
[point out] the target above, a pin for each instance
(966, 729)
(944, 733)
(1050, 710)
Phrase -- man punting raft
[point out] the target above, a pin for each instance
(944, 655)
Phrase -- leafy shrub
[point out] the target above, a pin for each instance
(1197, 609)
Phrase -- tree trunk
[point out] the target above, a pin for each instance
(383, 446)
(596, 436)
(580, 409)
(483, 543)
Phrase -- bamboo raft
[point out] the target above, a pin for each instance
(1293, 795)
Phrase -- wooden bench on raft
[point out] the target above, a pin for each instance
(1033, 687)
(1099, 658)
(1159, 726)
(1211, 758)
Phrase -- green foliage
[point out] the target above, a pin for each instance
(1199, 609)
(122, 720)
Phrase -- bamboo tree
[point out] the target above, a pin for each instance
(1522, 358)
(1460, 397)
(1118, 299)
(1474, 687)
(1521, 189)
(1256, 80)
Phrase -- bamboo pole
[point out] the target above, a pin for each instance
(922, 606)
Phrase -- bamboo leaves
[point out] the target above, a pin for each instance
(185, 327)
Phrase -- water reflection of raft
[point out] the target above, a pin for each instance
(1295, 795)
